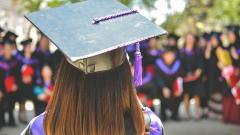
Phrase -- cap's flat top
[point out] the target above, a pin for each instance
(70, 27)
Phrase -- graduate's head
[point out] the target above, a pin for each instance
(43, 43)
(190, 40)
(94, 88)
(168, 56)
(8, 49)
(152, 43)
(27, 45)
(215, 39)
(172, 39)
(46, 72)
(233, 33)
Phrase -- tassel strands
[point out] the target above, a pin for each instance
(138, 66)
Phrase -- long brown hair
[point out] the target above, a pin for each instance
(92, 104)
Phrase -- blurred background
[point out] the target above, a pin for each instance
(191, 76)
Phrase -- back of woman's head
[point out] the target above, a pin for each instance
(92, 104)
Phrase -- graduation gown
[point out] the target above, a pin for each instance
(44, 58)
(9, 76)
(214, 78)
(166, 77)
(29, 68)
(191, 61)
(35, 127)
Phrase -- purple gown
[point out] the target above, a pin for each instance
(36, 125)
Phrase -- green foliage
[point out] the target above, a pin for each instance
(30, 5)
(201, 15)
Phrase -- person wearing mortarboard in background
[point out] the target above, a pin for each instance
(214, 78)
(30, 76)
(43, 53)
(94, 90)
(172, 41)
(192, 65)
(203, 42)
(9, 35)
(231, 94)
(169, 82)
(147, 91)
(9, 79)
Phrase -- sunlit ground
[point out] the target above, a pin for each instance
(202, 127)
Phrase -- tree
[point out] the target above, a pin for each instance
(202, 15)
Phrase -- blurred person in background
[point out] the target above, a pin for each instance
(44, 90)
(43, 52)
(169, 82)
(231, 73)
(30, 76)
(147, 91)
(214, 79)
(234, 44)
(202, 44)
(9, 35)
(9, 79)
(192, 65)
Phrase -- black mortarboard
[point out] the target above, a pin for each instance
(9, 34)
(206, 36)
(1, 30)
(26, 42)
(168, 48)
(87, 31)
(173, 36)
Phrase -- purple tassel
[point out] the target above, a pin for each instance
(138, 66)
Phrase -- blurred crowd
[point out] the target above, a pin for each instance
(25, 74)
(205, 67)
(201, 68)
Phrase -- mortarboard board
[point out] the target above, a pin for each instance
(94, 31)
(26, 42)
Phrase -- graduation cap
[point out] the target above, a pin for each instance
(92, 34)
(168, 48)
(1, 30)
(173, 36)
(26, 42)
(10, 34)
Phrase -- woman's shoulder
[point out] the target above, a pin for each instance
(153, 122)
(35, 127)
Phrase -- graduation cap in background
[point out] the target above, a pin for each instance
(92, 34)
(1, 30)
(173, 36)
(26, 42)
(10, 36)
